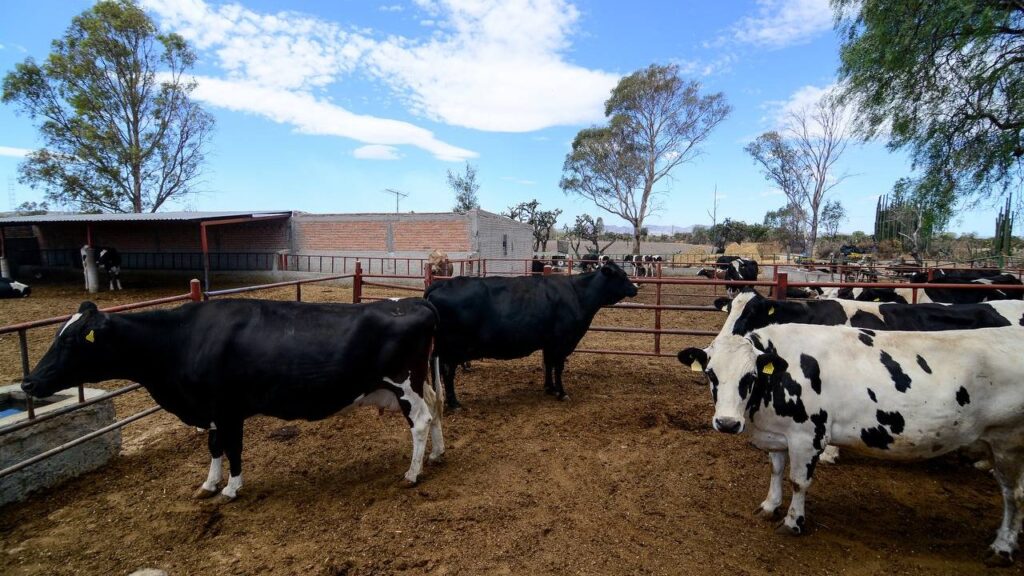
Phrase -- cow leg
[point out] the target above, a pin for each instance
(418, 413)
(1008, 468)
(448, 374)
(803, 457)
(769, 509)
(209, 488)
(549, 379)
(231, 440)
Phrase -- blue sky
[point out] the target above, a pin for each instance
(320, 106)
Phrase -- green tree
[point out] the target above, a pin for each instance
(465, 187)
(832, 216)
(787, 226)
(656, 122)
(120, 131)
(942, 79)
(588, 230)
(542, 221)
(801, 160)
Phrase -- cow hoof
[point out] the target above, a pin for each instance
(407, 483)
(453, 405)
(772, 516)
(436, 459)
(563, 397)
(203, 493)
(223, 498)
(983, 465)
(998, 558)
(786, 530)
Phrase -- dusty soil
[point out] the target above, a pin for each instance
(625, 478)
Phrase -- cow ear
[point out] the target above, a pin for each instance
(86, 307)
(607, 271)
(723, 303)
(695, 358)
(771, 366)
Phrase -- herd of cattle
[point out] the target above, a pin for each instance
(888, 380)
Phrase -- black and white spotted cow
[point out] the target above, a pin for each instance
(732, 268)
(214, 364)
(108, 260)
(590, 262)
(897, 395)
(13, 289)
(750, 311)
(940, 295)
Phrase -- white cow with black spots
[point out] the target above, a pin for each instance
(894, 395)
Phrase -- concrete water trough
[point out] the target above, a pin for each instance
(27, 442)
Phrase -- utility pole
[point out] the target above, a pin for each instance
(11, 198)
(398, 196)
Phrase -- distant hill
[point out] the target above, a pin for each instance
(654, 229)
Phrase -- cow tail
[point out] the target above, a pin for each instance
(434, 365)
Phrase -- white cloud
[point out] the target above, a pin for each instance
(498, 66)
(519, 181)
(14, 152)
(310, 115)
(487, 65)
(781, 23)
(391, 8)
(376, 152)
(771, 193)
(780, 112)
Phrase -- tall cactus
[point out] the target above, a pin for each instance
(1001, 247)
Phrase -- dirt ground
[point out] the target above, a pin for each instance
(627, 477)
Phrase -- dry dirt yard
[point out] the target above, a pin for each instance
(625, 478)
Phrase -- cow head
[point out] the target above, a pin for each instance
(613, 284)
(738, 373)
(77, 354)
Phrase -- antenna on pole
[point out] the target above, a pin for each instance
(398, 196)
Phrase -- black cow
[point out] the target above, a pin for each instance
(509, 318)
(965, 275)
(214, 364)
(109, 261)
(536, 266)
(590, 262)
(13, 289)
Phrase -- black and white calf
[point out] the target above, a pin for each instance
(108, 260)
(509, 318)
(732, 268)
(895, 395)
(214, 364)
(13, 289)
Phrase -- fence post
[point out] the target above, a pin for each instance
(357, 284)
(23, 348)
(298, 292)
(657, 315)
(781, 285)
(428, 277)
(195, 290)
(483, 268)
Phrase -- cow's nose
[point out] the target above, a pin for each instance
(727, 425)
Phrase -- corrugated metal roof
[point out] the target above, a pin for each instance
(59, 217)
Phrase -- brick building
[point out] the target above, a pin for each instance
(246, 241)
(476, 234)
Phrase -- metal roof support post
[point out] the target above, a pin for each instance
(206, 255)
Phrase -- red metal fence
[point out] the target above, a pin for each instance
(414, 285)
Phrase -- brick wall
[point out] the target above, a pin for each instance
(379, 233)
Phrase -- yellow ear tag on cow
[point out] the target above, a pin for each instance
(696, 367)
(878, 299)
(771, 310)
(91, 336)
(769, 368)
